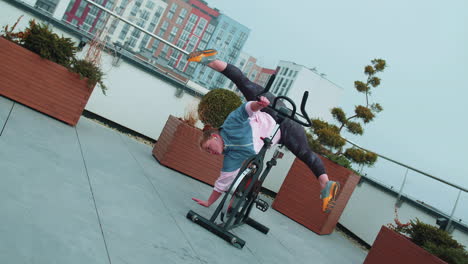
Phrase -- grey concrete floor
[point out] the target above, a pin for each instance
(89, 194)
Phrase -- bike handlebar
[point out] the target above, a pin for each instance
(284, 111)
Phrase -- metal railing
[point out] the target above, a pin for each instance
(110, 12)
(408, 168)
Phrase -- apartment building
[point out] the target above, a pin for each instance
(228, 38)
(87, 17)
(145, 13)
(187, 24)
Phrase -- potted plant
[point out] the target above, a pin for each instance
(178, 144)
(298, 197)
(40, 70)
(415, 242)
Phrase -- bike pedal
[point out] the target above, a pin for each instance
(278, 154)
(261, 205)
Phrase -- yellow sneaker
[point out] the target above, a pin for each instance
(328, 196)
(203, 56)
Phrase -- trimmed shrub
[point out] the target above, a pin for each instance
(216, 105)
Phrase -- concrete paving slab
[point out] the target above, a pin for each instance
(47, 211)
(130, 208)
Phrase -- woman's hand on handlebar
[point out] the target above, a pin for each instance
(260, 104)
(263, 102)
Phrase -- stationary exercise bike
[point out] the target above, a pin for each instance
(237, 203)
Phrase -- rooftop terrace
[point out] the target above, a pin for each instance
(89, 194)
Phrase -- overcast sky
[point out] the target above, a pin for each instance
(424, 90)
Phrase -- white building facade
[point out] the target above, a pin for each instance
(144, 13)
(293, 80)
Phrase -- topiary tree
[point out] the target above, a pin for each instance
(216, 105)
(326, 138)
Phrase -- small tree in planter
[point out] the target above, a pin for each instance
(43, 73)
(40, 39)
(415, 242)
(298, 197)
(436, 241)
(326, 138)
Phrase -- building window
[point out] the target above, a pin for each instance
(278, 84)
(173, 34)
(190, 69)
(228, 40)
(132, 42)
(144, 42)
(124, 31)
(180, 43)
(210, 28)
(164, 51)
(190, 24)
(173, 7)
(170, 15)
(193, 18)
(185, 35)
(183, 13)
(81, 8)
(150, 4)
(47, 5)
(200, 26)
(202, 45)
(210, 75)
(181, 65)
(145, 16)
(136, 33)
(158, 13)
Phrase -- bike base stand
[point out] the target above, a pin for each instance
(257, 225)
(216, 229)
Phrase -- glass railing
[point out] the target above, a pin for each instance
(432, 192)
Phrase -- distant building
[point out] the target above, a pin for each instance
(187, 24)
(144, 13)
(248, 65)
(263, 76)
(86, 16)
(228, 39)
(293, 80)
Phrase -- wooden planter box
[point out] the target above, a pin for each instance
(178, 148)
(299, 196)
(41, 84)
(390, 247)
